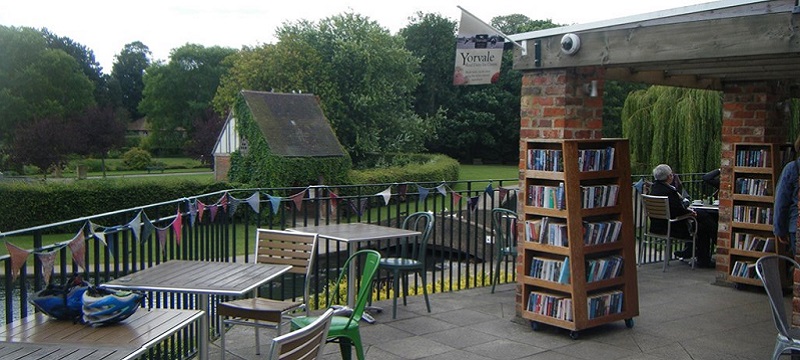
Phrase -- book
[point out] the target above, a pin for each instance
(563, 278)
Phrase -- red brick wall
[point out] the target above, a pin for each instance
(222, 164)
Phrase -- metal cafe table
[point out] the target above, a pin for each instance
(352, 233)
(203, 278)
(39, 337)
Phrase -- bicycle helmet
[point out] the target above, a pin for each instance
(104, 307)
(63, 302)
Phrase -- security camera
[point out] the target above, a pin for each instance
(570, 44)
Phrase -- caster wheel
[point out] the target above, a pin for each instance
(573, 335)
(629, 323)
(535, 326)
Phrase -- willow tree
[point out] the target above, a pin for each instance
(676, 126)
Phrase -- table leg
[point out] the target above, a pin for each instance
(202, 347)
(351, 278)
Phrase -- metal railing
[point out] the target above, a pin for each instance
(221, 226)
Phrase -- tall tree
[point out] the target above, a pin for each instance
(37, 81)
(177, 93)
(128, 71)
(86, 60)
(206, 130)
(97, 131)
(43, 143)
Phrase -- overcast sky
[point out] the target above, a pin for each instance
(106, 26)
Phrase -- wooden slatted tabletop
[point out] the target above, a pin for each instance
(29, 351)
(134, 335)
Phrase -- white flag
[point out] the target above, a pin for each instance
(479, 52)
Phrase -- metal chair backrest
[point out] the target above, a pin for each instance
(305, 343)
(369, 269)
(769, 270)
(288, 248)
(504, 222)
(410, 248)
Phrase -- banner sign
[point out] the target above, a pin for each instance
(479, 52)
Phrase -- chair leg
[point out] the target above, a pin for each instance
(667, 254)
(359, 346)
(344, 348)
(425, 288)
(405, 288)
(222, 337)
(396, 287)
(258, 343)
(496, 273)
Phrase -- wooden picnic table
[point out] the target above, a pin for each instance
(40, 337)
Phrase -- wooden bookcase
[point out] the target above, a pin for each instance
(756, 170)
(580, 272)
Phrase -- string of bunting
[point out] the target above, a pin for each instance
(142, 227)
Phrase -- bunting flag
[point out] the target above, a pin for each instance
(334, 199)
(275, 201)
(99, 235)
(233, 204)
(177, 226)
(201, 208)
(387, 195)
(503, 192)
(442, 189)
(161, 234)
(298, 199)
(48, 261)
(456, 198)
(147, 228)
(18, 258)
(213, 209)
(111, 244)
(223, 201)
(472, 203)
(78, 248)
(489, 190)
(423, 193)
(363, 206)
(136, 226)
(255, 202)
(192, 211)
(479, 52)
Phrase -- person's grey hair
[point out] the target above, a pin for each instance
(661, 172)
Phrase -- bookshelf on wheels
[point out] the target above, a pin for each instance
(578, 267)
(756, 170)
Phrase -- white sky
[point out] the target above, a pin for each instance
(106, 26)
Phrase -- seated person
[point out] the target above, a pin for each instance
(663, 177)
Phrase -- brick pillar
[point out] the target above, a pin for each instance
(554, 104)
(750, 113)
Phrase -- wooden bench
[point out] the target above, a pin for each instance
(125, 340)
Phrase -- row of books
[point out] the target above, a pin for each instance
(745, 269)
(753, 158)
(596, 159)
(601, 232)
(605, 304)
(550, 270)
(549, 197)
(547, 231)
(603, 268)
(599, 196)
(559, 307)
(751, 242)
(757, 187)
(545, 160)
(752, 214)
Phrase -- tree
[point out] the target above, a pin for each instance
(43, 143)
(128, 71)
(86, 60)
(98, 130)
(363, 75)
(37, 81)
(206, 130)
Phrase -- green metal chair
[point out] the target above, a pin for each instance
(345, 329)
(504, 222)
(410, 257)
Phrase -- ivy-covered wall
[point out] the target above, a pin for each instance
(261, 168)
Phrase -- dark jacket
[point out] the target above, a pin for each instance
(679, 229)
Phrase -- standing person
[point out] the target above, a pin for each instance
(712, 178)
(784, 224)
(663, 177)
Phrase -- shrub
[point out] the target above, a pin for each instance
(136, 159)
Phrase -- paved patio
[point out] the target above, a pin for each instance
(683, 315)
